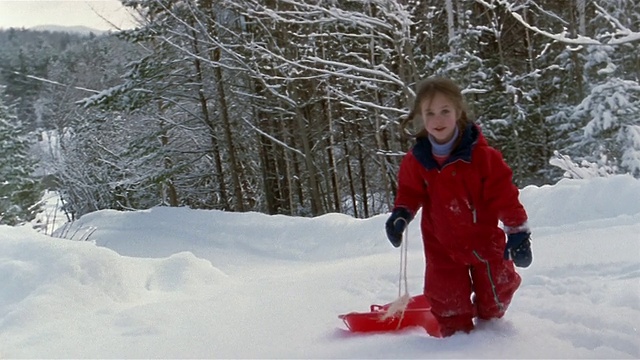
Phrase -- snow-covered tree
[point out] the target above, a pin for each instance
(611, 112)
(606, 122)
(300, 107)
(19, 190)
(596, 119)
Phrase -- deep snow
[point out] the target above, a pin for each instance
(181, 283)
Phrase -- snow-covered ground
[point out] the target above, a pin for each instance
(180, 283)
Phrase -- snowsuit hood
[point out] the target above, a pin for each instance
(467, 140)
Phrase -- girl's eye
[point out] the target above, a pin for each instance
(430, 113)
(446, 111)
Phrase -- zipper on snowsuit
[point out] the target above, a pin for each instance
(496, 298)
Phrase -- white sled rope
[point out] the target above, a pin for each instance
(398, 306)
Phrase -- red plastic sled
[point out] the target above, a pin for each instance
(418, 313)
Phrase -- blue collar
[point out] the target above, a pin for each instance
(444, 149)
(422, 150)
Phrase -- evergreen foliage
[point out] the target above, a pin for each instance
(19, 191)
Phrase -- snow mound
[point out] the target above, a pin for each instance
(36, 270)
(575, 201)
(222, 236)
(210, 232)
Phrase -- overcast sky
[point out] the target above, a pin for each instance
(28, 13)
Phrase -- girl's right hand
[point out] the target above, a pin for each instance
(397, 222)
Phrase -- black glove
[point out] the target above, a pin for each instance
(396, 224)
(519, 249)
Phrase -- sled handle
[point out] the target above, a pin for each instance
(376, 308)
(344, 320)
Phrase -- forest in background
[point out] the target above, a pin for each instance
(300, 107)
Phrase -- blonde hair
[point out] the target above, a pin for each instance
(426, 90)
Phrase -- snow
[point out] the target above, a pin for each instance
(181, 283)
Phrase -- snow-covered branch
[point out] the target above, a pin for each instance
(272, 138)
(56, 83)
(623, 35)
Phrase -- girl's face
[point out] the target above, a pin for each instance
(439, 116)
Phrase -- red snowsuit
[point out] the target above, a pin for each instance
(462, 201)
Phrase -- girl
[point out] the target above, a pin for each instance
(463, 187)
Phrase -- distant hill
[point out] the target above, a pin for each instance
(83, 30)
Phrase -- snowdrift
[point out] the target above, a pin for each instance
(181, 283)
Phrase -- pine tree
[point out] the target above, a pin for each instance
(19, 191)
(607, 122)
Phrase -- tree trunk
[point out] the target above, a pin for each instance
(582, 24)
(283, 166)
(204, 108)
(269, 179)
(363, 174)
(312, 172)
(305, 137)
(450, 24)
(333, 169)
(578, 26)
(223, 109)
(168, 189)
(226, 125)
(347, 162)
